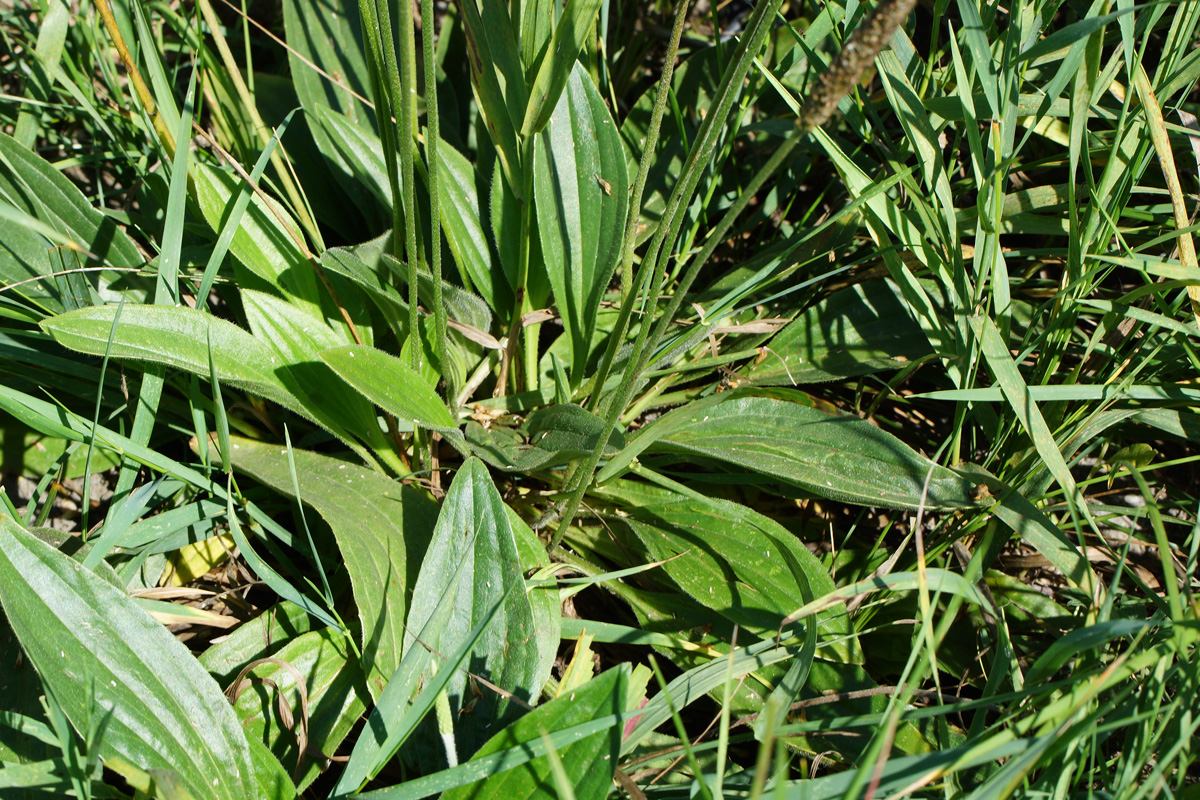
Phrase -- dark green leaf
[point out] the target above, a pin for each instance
(737, 562)
(557, 435)
(577, 19)
(840, 457)
(335, 696)
(855, 331)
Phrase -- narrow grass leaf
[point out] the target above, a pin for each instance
(280, 585)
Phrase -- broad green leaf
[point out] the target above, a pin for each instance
(370, 271)
(262, 243)
(334, 697)
(180, 337)
(474, 530)
(543, 600)
(737, 562)
(331, 42)
(581, 191)
(577, 19)
(261, 636)
(93, 647)
(356, 151)
(408, 696)
(591, 759)
(26, 452)
(294, 340)
(381, 528)
(840, 457)
(390, 384)
(856, 331)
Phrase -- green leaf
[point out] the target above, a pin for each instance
(543, 600)
(334, 696)
(357, 152)
(390, 384)
(295, 339)
(557, 435)
(38, 192)
(262, 243)
(101, 655)
(577, 19)
(537, 23)
(856, 331)
(840, 457)
(259, 637)
(408, 696)
(581, 191)
(180, 337)
(381, 529)
(318, 39)
(31, 184)
(493, 54)
(737, 562)
(474, 529)
(461, 220)
(592, 758)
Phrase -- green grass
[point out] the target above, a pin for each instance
(613, 398)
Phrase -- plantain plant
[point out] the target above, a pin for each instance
(769, 349)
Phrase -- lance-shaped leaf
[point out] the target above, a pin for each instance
(743, 565)
(103, 656)
(498, 79)
(381, 529)
(556, 66)
(181, 338)
(474, 530)
(390, 384)
(581, 190)
(840, 457)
